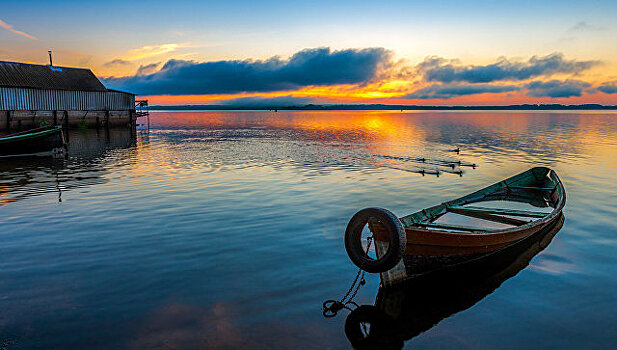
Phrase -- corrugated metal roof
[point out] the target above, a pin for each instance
(14, 74)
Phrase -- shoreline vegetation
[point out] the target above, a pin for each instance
(384, 107)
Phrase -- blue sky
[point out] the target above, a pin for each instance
(95, 34)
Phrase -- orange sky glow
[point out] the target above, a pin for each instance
(373, 94)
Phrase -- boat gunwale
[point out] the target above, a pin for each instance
(28, 135)
(468, 199)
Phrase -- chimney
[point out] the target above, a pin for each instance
(51, 64)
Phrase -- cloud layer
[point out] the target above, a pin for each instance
(436, 69)
(608, 88)
(434, 78)
(556, 88)
(116, 62)
(445, 79)
(147, 69)
(11, 29)
(310, 67)
(446, 91)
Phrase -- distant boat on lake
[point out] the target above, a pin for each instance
(41, 141)
(433, 239)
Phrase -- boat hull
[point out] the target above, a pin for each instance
(431, 243)
(418, 265)
(40, 141)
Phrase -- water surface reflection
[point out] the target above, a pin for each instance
(225, 229)
(23, 177)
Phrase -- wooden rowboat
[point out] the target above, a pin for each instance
(41, 141)
(408, 309)
(434, 238)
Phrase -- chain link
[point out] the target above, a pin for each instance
(332, 307)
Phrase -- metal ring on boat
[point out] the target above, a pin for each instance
(388, 229)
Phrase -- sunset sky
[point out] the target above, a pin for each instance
(277, 52)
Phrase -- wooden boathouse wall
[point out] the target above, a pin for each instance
(11, 120)
(37, 95)
(22, 108)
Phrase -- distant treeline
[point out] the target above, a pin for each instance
(380, 107)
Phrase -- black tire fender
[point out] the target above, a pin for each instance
(396, 237)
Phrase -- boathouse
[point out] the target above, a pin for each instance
(34, 95)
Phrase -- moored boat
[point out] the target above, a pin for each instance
(408, 309)
(41, 141)
(434, 239)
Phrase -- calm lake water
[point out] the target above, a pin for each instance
(225, 230)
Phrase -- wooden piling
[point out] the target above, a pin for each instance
(65, 121)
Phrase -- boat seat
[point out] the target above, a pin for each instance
(510, 212)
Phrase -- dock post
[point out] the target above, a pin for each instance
(107, 119)
(133, 123)
(65, 121)
(55, 117)
(8, 121)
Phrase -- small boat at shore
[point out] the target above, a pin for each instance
(433, 239)
(41, 141)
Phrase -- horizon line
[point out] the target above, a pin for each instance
(377, 106)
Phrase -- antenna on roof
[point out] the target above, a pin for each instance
(51, 64)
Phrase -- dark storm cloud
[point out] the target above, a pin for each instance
(446, 91)
(319, 66)
(556, 88)
(446, 71)
(608, 88)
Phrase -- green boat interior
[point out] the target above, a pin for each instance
(514, 202)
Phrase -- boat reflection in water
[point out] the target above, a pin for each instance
(402, 312)
(84, 165)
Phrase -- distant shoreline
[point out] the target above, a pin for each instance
(382, 107)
